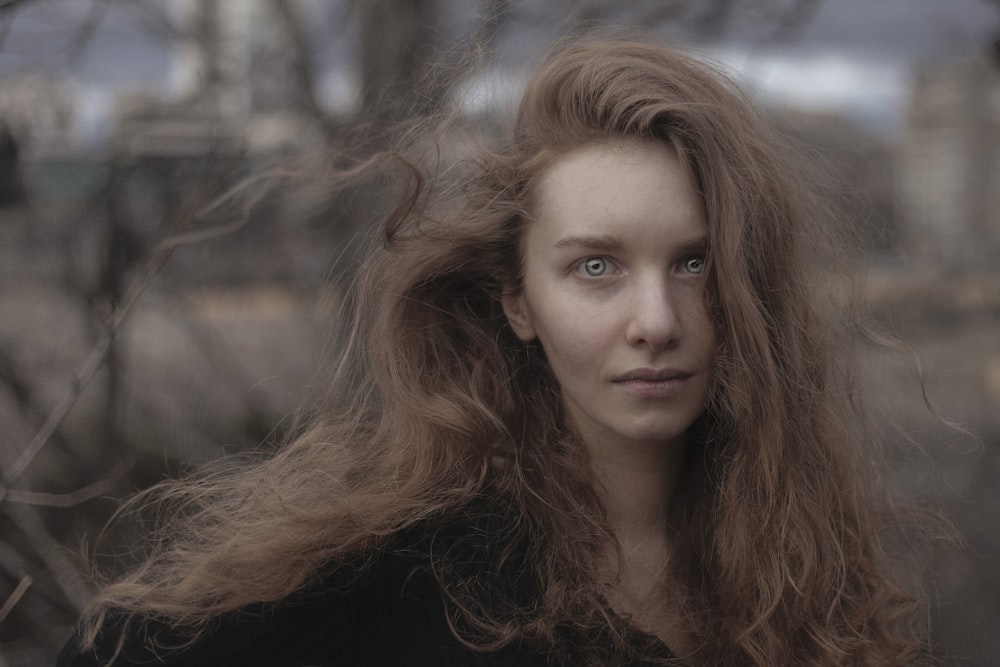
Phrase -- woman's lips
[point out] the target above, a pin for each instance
(652, 383)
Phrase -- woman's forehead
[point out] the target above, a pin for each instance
(584, 176)
(609, 194)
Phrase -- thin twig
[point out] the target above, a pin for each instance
(76, 497)
(53, 556)
(86, 372)
(6, 21)
(62, 408)
(15, 597)
(87, 30)
(10, 4)
(100, 349)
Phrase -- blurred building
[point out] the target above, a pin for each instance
(949, 165)
(38, 111)
(233, 87)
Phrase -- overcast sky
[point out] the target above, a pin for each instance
(851, 55)
(860, 55)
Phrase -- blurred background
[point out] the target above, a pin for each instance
(123, 122)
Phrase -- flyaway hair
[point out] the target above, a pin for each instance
(437, 404)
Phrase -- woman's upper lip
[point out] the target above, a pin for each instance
(653, 375)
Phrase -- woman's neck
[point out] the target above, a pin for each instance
(636, 487)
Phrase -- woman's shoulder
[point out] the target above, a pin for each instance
(387, 606)
(396, 604)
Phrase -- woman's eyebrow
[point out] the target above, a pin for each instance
(696, 244)
(608, 242)
(601, 242)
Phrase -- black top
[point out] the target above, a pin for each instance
(392, 612)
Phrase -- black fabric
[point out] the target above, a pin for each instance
(392, 615)
(391, 612)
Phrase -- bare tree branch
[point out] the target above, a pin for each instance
(649, 14)
(11, 4)
(85, 33)
(794, 19)
(19, 503)
(15, 597)
(121, 310)
(303, 69)
(51, 553)
(152, 16)
(69, 398)
(657, 12)
(6, 21)
(714, 19)
(399, 43)
(23, 393)
(78, 496)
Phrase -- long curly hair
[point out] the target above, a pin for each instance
(435, 402)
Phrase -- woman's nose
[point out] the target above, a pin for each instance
(654, 320)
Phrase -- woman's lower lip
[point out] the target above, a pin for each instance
(654, 388)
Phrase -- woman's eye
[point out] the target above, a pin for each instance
(594, 266)
(694, 264)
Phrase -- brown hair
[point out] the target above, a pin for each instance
(436, 402)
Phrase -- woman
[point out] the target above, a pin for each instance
(589, 413)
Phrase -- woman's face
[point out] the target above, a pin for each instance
(613, 289)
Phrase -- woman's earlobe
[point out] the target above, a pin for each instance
(517, 314)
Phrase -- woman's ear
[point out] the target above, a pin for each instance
(518, 314)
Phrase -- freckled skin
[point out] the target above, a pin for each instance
(613, 283)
